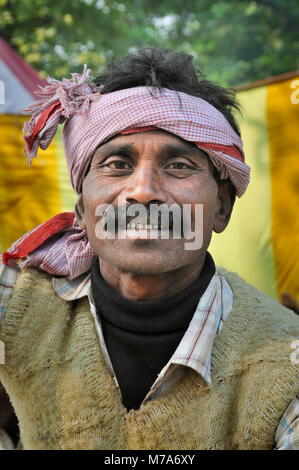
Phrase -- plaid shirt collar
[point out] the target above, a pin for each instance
(195, 348)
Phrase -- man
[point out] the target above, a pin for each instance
(117, 336)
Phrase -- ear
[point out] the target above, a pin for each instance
(226, 200)
(79, 212)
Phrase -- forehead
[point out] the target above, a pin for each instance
(159, 140)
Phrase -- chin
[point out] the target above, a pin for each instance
(143, 263)
(142, 257)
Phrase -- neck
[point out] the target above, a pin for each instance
(149, 287)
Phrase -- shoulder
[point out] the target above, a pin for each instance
(33, 279)
(8, 278)
(255, 346)
(256, 303)
(19, 287)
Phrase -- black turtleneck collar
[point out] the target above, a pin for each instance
(141, 336)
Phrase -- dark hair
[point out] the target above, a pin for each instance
(163, 68)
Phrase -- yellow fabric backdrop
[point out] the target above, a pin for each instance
(28, 196)
(261, 242)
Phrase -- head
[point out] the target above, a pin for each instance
(152, 131)
(157, 167)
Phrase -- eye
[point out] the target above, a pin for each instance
(178, 166)
(118, 165)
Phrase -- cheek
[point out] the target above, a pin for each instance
(205, 195)
(95, 191)
(202, 191)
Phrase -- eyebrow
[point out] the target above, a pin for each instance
(121, 149)
(166, 151)
(176, 151)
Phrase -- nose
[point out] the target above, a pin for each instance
(145, 186)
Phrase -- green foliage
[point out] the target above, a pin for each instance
(233, 41)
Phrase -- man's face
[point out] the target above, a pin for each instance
(152, 168)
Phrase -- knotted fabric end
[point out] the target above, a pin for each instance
(59, 100)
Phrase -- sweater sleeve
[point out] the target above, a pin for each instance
(287, 434)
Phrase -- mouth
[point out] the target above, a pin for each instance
(144, 232)
(140, 231)
(133, 226)
(151, 225)
(129, 226)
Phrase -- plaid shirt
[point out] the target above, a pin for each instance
(194, 350)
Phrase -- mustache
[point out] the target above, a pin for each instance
(159, 215)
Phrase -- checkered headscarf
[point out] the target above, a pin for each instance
(91, 119)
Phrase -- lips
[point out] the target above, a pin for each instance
(133, 226)
(148, 224)
(118, 219)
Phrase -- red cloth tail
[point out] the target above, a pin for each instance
(38, 236)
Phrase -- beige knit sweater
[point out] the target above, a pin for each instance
(65, 398)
